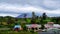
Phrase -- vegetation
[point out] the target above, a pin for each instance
(14, 32)
(9, 22)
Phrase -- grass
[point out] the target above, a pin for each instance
(8, 31)
(14, 32)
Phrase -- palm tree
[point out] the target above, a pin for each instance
(44, 16)
(33, 15)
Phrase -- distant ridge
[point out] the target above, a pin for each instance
(28, 15)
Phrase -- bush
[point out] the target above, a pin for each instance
(42, 26)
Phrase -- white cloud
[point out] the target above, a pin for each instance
(14, 15)
(51, 4)
(13, 8)
(24, 9)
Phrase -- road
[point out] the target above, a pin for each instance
(47, 33)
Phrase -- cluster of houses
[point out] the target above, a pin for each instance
(37, 27)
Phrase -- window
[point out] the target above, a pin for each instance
(36, 28)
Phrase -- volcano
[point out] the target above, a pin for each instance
(28, 15)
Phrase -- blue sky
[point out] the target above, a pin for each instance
(15, 7)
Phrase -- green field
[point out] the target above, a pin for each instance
(14, 32)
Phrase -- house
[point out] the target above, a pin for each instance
(17, 27)
(56, 26)
(33, 27)
(51, 25)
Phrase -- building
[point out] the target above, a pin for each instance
(51, 25)
(34, 27)
(17, 27)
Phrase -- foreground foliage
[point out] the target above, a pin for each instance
(14, 32)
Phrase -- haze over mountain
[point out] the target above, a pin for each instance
(28, 15)
(17, 7)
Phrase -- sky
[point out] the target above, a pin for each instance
(16, 7)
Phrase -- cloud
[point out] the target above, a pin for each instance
(51, 4)
(11, 9)
(24, 6)
(45, 4)
(14, 15)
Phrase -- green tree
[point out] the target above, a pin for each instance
(44, 16)
(9, 19)
(33, 15)
(42, 26)
(1, 20)
(23, 25)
